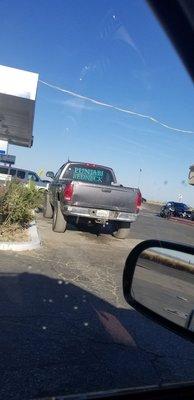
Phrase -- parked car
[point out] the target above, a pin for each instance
(176, 209)
(23, 175)
(89, 192)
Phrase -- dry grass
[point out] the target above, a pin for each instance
(13, 233)
(168, 261)
(155, 202)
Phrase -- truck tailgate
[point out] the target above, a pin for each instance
(103, 197)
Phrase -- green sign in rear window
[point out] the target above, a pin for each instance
(88, 175)
(91, 174)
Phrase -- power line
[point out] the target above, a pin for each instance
(111, 106)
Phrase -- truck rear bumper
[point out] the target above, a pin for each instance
(104, 215)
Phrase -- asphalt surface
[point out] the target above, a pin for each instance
(152, 226)
(172, 294)
(65, 327)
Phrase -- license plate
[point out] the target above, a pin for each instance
(102, 213)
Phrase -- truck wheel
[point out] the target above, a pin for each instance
(59, 223)
(48, 211)
(122, 231)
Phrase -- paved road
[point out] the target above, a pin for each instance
(165, 290)
(151, 226)
(65, 327)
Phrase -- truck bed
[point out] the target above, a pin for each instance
(115, 198)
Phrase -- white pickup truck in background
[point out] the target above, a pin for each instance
(23, 175)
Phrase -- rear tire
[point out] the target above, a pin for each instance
(59, 222)
(48, 211)
(122, 231)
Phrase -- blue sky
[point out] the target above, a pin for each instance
(114, 51)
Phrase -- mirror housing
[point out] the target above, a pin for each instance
(50, 174)
(156, 274)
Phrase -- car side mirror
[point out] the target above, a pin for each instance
(50, 174)
(158, 281)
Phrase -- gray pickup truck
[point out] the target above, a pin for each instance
(89, 193)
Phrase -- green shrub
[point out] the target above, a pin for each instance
(17, 202)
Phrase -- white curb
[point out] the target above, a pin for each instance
(33, 243)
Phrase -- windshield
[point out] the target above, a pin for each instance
(93, 85)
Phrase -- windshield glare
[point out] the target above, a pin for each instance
(97, 82)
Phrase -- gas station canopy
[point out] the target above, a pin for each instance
(17, 105)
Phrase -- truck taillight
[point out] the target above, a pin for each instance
(138, 200)
(68, 192)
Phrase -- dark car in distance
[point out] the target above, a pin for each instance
(175, 209)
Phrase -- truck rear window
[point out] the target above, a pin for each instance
(89, 174)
